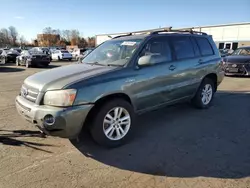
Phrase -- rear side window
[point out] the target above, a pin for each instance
(196, 48)
(205, 46)
(183, 47)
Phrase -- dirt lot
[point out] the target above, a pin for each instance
(173, 147)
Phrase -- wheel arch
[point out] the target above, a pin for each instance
(213, 77)
(99, 102)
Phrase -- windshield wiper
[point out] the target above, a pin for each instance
(114, 65)
(96, 63)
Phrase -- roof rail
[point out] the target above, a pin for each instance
(125, 35)
(184, 30)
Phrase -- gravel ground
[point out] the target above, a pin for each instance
(177, 146)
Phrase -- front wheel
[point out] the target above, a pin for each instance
(17, 62)
(205, 94)
(113, 123)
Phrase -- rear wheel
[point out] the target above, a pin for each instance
(205, 94)
(58, 58)
(113, 122)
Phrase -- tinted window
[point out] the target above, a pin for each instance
(205, 46)
(196, 48)
(183, 47)
(159, 47)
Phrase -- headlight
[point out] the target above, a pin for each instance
(60, 98)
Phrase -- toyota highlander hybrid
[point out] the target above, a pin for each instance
(122, 77)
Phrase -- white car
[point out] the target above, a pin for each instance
(77, 53)
(61, 55)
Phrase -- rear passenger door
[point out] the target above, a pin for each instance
(186, 59)
(208, 57)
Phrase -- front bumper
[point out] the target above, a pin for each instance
(39, 62)
(68, 121)
(238, 70)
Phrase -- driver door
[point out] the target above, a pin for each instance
(152, 82)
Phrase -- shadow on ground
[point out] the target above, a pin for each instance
(11, 138)
(10, 69)
(181, 141)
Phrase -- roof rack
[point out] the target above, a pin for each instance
(184, 30)
(125, 35)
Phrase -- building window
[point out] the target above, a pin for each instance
(221, 45)
(235, 45)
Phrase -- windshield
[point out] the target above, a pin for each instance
(242, 51)
(113, 52)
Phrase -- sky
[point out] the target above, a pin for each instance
(94, 17)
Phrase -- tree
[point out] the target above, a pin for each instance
(82, 43)
(47, 30)
(4, 37)
(66, 35)
(22, 40)
(75, 35)
(13, 34)
(91, 41)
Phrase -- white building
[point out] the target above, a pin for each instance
(228, 36)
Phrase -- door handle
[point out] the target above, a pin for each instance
(172, 67)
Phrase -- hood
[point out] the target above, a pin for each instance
(237, 59)
(57, 78)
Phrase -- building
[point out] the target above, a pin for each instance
(228, 36)
(48, 39)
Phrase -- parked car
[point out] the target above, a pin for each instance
(19, 50)
(61, 55)
(83, 55)
(32, 58)
(238, 63)
(9, 55)
(77, 52)
(2, 58)
(124, 76)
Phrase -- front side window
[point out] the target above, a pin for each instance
(183, 47)
(204, 46)
(159, 47)
(113, 52)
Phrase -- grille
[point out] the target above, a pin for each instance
(29, 93)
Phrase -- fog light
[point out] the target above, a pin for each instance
(49, 119)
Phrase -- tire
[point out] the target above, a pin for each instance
(58, 58)
(3, 61)
(27, 64)
(97, 127)
(17, 62)
(199, 99)
(46, 65)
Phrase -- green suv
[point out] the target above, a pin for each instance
(124, 76)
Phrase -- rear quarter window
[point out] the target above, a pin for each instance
(205, 46)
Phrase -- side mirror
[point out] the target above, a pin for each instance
(148, 60)
(145, 60)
